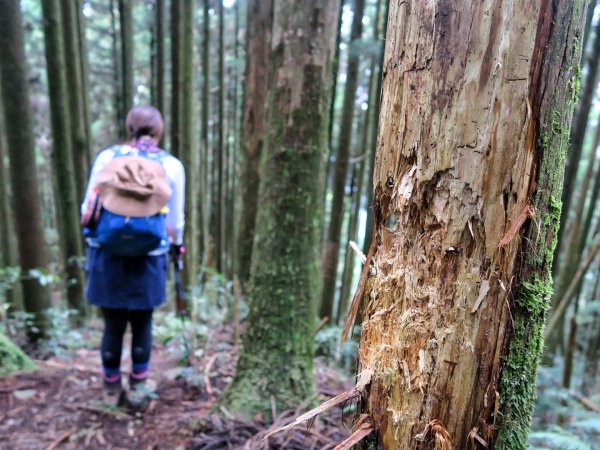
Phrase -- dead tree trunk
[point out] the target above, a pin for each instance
(476, 105)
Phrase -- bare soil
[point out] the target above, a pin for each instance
(59, 406)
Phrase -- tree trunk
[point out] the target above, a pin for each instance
(354, 209)
(375, 92)
(85, 81)
(206, 192)
(67, 200)
(220, 148)
(259, 22)
(76, 95)
(159, 73)
(187, 150)
(126, 22)
(8, 248)
(473, 130)
(572, 250)
(331, 246)
(176, 78)
(276, 363)
(23, 176)
(578, 128)
(117, 73)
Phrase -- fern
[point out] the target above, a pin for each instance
(556, 440)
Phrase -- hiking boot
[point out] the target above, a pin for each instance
(112, 394)
(140, 393)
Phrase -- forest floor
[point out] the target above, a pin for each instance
(58, 406)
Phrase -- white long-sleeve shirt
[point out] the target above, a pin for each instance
(175, 173)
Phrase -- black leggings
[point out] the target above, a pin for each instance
(115, 324)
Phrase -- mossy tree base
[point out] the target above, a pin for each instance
(275, 368)
(12, 358)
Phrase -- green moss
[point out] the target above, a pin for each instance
(517, 385)
(12, 358)
(575, 85)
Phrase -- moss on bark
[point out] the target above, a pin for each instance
(12, 358)
(534, 293)
(276, 363)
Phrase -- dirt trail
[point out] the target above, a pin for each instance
(58, 406)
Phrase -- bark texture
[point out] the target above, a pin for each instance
(187, 149)
(67, 200)
(276, 363)
(127, 89)
(23, 176)
(476, 105)
(77, 96)
(259, 22)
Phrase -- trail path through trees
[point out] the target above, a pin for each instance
(59, 406)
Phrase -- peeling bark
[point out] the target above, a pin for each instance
(475, 110)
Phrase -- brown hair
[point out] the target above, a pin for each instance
(144, 121)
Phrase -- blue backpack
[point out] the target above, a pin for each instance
(130, 205)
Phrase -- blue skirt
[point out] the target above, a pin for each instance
(125, 282)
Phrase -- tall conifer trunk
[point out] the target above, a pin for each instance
(187, 148)
(67, 200)
(77, 96)
(220, 148)
(259, 25)
(276, 363)
(206, 191)
(33, 249)
(331, 247)
(476, 105)
(127, 77)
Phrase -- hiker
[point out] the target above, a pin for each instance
(133, 214)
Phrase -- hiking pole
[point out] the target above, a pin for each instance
(180, 297)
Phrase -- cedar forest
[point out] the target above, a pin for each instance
(391, 228)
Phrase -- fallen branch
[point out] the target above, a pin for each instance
(586, 402)
(344, 396)
(59, 440)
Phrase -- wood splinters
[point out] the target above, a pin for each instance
(527, 213)
(344, 396)
(440, 435)
(473, 436)
(361, 432)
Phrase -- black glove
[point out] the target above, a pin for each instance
(176, 252)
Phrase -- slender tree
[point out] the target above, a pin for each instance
(259, 23)
(276, 364)
(187, 148)
(126, 24)
(159, 67)
(578, 128)
(23, 176)
(374, 92)
(176, 94)
(208, 223)
(67, 200)
(8, 248)
(77, 96)
(471, 144)
(85, 79)
(220, 149)
(331, 248)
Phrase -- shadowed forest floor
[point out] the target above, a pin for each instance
(58, 406)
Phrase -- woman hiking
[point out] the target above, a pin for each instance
(133, 214)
